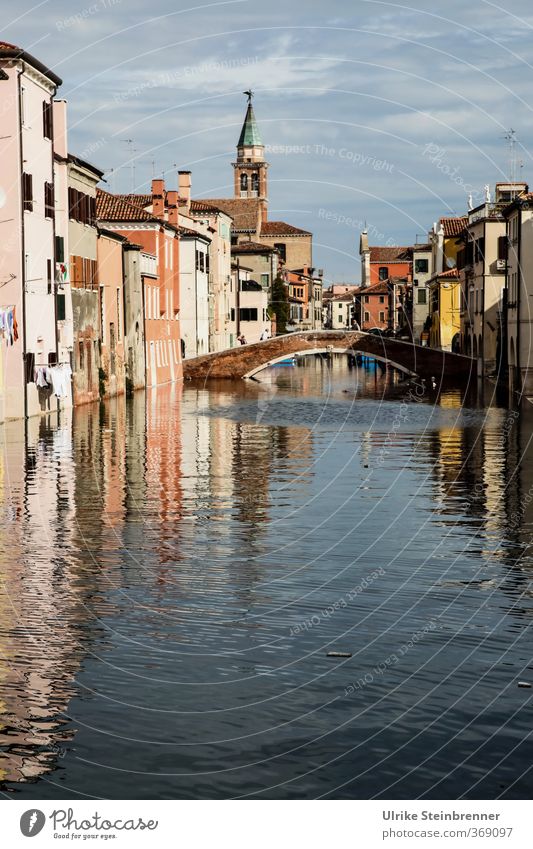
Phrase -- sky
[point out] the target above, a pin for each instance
(373, 113)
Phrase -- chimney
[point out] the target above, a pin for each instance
(172, 206)
(158, 198)
(184, 189)
(60, 127)
(440, 249)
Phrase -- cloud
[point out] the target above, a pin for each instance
(371, 77)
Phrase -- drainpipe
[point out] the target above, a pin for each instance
(23, 243)
(238, 299)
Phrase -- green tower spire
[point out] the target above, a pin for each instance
(249, 136)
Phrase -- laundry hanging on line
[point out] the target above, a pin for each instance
(8, 325)
(58, 377)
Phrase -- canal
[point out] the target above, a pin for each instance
(176, 569)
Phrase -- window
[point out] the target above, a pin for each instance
(200, 261)
(80, 357)
(383, 272)
(60, 249)
(30, 367)
(27, 192)
(367, 299)
(422, 296)
(232, 314)
(265, 280)
(61, 310)
(255, 182)
(48, 200)
(421, 266)
(382, 316)
(47, 119)
(248, 314)
(244, 182)
(281, 247)
(502, 247)
(49, 275)
(367, 316)
(382, 299)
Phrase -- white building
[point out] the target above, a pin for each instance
(27, 262)
(194, 291)
(252, 317)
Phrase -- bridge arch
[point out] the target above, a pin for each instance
(247, 360)
(308, 352)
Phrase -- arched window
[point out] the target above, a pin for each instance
(244, 182)
(255, 182)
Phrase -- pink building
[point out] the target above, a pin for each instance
(157, 234)
(27, 260)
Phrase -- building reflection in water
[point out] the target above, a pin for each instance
(483, 473)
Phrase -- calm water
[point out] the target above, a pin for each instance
(175, 571)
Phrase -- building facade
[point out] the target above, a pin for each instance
(112, 375)
(27, 231)
(83, 238)
(157, 234)
(422, 272)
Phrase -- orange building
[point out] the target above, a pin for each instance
(157, 233)
(378, 263)
(111, 301)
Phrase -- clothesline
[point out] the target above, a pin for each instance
(58, 377)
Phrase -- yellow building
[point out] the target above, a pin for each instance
(445, 310)
(445, 285)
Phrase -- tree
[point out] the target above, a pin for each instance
(279, 304)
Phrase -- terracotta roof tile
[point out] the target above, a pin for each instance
(453, 226)
(252, 248)
(186, 231)
(347, 296)
(137, 200)
(281, 228)
(115, 208)
(246, 212)
(390, 254)
(204, 206)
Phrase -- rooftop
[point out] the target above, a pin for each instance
(11, 51)
(390, 254)
(246, 212)
(252, 248)
(453, 226)
(116, 208)
(281, 228)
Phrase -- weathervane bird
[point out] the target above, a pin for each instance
(249, 94)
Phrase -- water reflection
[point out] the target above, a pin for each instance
(159, 558)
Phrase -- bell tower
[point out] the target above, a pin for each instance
(250, 167)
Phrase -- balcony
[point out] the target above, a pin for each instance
(148, 265)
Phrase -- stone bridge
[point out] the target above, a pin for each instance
(246, 360)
